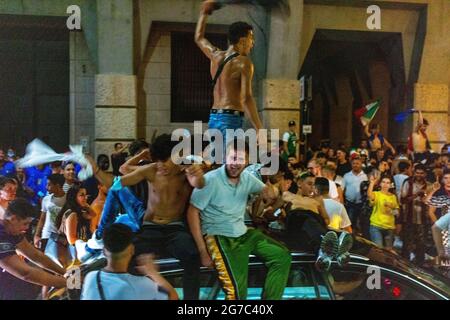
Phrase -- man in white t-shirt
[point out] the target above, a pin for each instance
(315, 168)
(399, 179)
(51, 205)
(115, 283)
(339, 219)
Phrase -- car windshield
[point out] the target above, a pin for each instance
(432, 278)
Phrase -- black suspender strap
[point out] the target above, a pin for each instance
(221, 66)
(100, 287)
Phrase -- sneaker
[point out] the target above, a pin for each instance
(323, 262)
(328, 250)
(329, 244)
(345, 243)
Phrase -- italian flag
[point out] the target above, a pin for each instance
(367, 113)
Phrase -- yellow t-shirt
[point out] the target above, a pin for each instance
(382, 216)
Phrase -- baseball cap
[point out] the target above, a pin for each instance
(291, 123)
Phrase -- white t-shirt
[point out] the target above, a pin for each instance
(67, 186)
(338, 215)
(398, 181)
(51, 205)
(333, 193)
(286, 136)
(121, 286)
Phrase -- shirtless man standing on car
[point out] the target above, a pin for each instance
(233, 96)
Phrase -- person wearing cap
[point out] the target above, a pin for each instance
(290, 142)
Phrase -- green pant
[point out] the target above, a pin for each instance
(231, 258)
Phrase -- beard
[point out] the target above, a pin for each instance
(233, 172)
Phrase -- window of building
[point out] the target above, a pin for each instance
(191, 87)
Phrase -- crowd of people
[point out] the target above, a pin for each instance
(200, 214)
(213, 215)
(386, 192)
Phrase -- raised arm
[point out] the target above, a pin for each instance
(207, 48)
(420, 121)
(370, 193)
(247, 100)
(121, 149)
(389, 145)
(146, 172)
(103, 177)
(366, 131)
(132, 164)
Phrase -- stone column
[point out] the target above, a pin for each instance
(281, 101)
(280, 88)
(115, 111)
(432, 100)
(115, 83)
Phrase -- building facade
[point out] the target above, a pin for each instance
(132, 72)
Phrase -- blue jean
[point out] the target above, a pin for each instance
(222, 122)
(382, 237)
(357, 212)
(121, 200)
(51, 250)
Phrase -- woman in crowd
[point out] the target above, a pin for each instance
(74, 221)
(385, 208)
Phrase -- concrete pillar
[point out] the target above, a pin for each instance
(281, 89)
(281, 100)
(432, 100)
(431, 90)
(115, 83)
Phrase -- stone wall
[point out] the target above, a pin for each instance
(82, 92)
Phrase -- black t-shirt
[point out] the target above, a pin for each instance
(117, 160)
(8, 243)
(342, 169)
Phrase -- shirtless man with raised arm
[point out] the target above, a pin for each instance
(161, 225)
(233, 95)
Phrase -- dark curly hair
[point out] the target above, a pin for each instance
(161, 148)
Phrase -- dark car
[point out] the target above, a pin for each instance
(372, 274)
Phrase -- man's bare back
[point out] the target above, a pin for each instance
(227, 92)
(233, 89)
